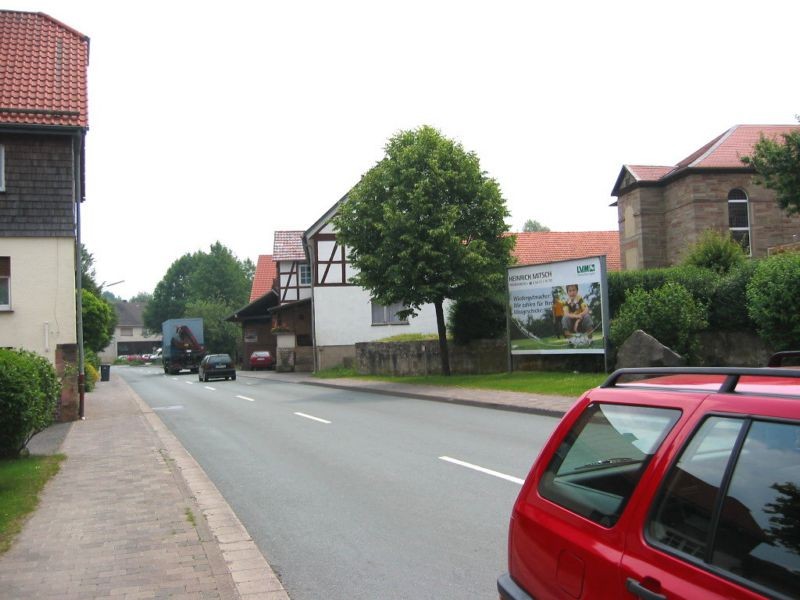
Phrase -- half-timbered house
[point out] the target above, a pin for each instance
(343, 313)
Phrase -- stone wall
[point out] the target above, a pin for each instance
(737, 349)
(333, 356)
(297, 358)
(733, 349)
(484, 356)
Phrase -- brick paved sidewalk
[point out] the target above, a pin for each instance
(132, 515)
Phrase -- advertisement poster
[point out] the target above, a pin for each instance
(559, 307)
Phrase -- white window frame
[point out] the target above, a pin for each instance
(304, 274)
(5, 282)
(736, 230)
(389, 316)
(2, 168)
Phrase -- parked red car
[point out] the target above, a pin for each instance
(261, 359)
(684, 484)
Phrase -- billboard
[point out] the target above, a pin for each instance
(559, 307)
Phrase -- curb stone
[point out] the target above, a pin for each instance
(252, 576)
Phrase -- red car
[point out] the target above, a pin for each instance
(682, 483)
(261, 359)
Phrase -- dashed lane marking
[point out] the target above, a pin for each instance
(461, 463)
(305, 416)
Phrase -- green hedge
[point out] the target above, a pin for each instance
(701, 283)
(727, 310)
(772, 300)
(29, 392)
(724, 295)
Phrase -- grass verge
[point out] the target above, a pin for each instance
(555, 383)
(21, 480)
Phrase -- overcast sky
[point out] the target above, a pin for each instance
(229, 121)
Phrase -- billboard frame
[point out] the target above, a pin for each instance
(531, 293)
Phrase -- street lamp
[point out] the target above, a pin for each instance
(105, 285)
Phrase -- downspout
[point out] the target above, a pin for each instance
(78, 149)
(311, 263)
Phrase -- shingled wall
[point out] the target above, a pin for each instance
(39, 187)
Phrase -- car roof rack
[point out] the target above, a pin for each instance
(728, 385)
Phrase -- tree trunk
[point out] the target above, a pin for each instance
(440, 325)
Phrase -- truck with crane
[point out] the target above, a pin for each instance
(182, 345)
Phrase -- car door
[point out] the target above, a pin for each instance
(570, 521)
(724, 520)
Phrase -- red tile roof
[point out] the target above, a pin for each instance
(646, 173)
(264, 279)
(539, 247)
(288, 245)
(729, 148)
(531, 249)
(43, 71)
(723, 152)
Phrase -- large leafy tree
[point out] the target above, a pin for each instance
(88, 274)
(215, 276)
(97, 313)
(778, 167)
(171, 294)
(219, 335)
(99, 321)
(532, 225)
(426, 224)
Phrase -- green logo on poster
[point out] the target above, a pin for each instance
(584, 269)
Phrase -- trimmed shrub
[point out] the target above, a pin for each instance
(29, 392)
(716, 251)
(91, 376)
(91, 369)
(701, 283)
(772, 297)
(477, 319)
(90, 358)
(669, 313)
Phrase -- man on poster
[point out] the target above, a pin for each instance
(576, 317)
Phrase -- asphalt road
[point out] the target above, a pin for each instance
(352, 495)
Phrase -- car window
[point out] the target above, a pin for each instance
(683, 518)
(748, 524)
(599, 463)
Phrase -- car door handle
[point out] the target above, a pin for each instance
(637, 589)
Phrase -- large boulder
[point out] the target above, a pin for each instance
(643, 350)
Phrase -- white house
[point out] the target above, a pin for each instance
(342, 313)
(130, 335)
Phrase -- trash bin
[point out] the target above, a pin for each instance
(105, 372)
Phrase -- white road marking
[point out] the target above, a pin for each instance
(299, 414)
(174, 407)
(189, 382)
(246, 398)
(461, 463)
(208, 387)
